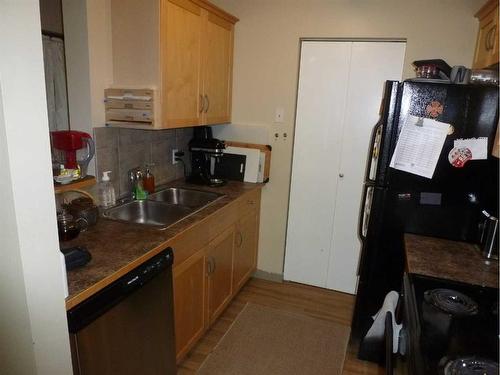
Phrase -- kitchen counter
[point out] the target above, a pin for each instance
(449, 260)
(118, 247)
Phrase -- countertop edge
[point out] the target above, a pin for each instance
(455, 270)
(73, 301)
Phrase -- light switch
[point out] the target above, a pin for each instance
(279, 114)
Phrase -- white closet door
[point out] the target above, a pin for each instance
(323, 81)
(372, 63)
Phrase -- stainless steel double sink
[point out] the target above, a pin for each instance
(164, 208)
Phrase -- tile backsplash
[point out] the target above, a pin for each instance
(120, 149)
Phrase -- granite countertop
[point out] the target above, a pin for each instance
(117, 246)
(450, 260)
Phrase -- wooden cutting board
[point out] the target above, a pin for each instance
(266, 149)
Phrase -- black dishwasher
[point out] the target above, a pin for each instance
(128, 327)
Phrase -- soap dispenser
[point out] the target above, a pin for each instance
(149, 179)
(107, 196)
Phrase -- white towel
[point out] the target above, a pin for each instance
(378, 327)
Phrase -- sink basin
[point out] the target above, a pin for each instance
(185, 197)
(163, 208)
(147, 212)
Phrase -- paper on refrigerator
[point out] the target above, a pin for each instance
(477, 146)
(419, 146)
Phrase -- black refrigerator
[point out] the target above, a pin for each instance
(448, 205)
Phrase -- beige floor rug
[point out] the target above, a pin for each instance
(265, 341)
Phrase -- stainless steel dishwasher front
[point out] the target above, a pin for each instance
(128, 327)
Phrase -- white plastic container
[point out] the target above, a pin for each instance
(107, 196)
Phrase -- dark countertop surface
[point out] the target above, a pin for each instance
(117, 247)
(450, 260)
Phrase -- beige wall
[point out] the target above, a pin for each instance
(266, 66)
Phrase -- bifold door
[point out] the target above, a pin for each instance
(338, 101)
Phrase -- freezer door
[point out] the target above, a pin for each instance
(449, 204)
(472, 111)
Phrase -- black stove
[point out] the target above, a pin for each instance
(451, 302)
(451, 328)
(470, 366)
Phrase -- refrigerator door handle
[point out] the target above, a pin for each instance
(361, 220)
(375, 131)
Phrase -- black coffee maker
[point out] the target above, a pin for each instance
(206, 153)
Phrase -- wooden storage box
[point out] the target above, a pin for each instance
(130, 107)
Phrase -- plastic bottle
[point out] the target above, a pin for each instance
(107, 196)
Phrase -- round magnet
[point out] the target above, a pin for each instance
(451, 130)
(459, 156)
(434, 109)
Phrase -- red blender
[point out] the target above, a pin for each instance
(73, 149)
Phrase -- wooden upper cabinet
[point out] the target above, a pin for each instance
(218, 67)
(183, 49)
(486, 53)
(181, 62)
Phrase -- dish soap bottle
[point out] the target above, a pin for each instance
(149, 180)
(107, 196)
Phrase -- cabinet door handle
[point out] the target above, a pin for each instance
(208, 103)
(487, 40)
(491, 37)
(202, 103)
(209, 266)
(239, 239)
(213, 264)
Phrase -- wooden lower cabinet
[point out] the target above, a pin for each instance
(245, 249)
(207, 279)
(189, 303)
(219, 273)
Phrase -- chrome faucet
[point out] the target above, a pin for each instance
(135, 176)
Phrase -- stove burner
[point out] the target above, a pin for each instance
(471, 366)
(451, 301)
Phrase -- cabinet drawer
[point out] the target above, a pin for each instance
(135, 115)
(189, 242)
(222, 220)
(248, 202)
(127, 104)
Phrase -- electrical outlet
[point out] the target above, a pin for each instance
(174, 151)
